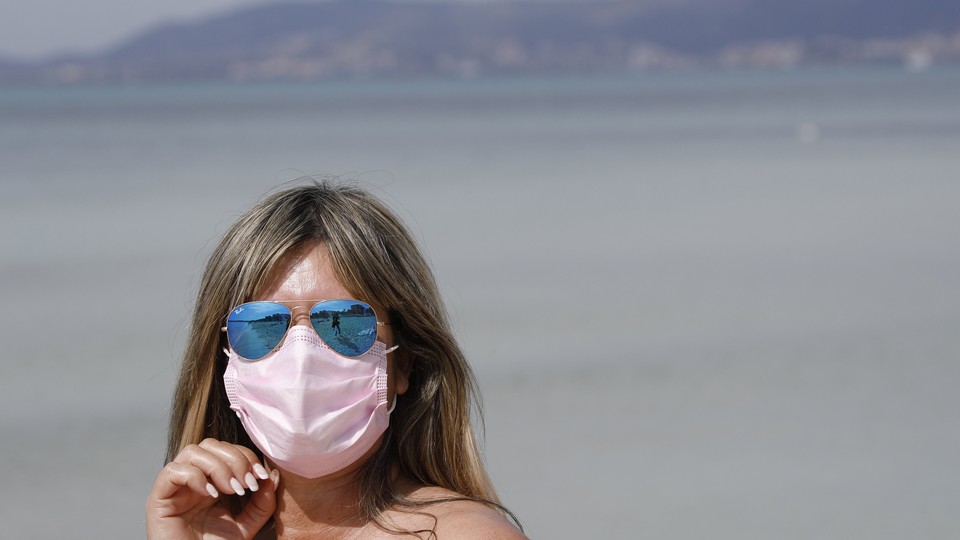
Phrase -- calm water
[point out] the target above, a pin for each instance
(715, 303)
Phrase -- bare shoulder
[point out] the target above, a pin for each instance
(471, 519)
(462, 520)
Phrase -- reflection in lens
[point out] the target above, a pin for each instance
(254, 329)
(349, 327)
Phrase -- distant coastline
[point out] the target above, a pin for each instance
(374, 39)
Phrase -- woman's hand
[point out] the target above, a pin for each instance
(184, 502)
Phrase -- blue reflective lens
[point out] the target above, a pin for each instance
(255, 329)
(349, 327)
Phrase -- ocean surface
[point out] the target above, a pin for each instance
(700, 305)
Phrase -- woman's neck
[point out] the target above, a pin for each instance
(318, 508)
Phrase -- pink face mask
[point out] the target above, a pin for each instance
(312, 411)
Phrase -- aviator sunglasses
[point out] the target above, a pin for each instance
(349, 327)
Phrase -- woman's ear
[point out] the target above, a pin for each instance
(402, 363)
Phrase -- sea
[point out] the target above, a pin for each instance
(704, 304)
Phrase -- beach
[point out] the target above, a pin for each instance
(718, 303)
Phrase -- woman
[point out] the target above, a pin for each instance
(281, 428)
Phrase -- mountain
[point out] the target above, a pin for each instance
(370, 38)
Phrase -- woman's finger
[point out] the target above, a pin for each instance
(242, 460)
(260, 506)
(222, 475)
(175, 476)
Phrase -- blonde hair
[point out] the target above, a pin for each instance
(430, 438)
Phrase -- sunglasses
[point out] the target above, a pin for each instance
(349, 327)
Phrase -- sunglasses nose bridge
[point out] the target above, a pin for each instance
(299, 316)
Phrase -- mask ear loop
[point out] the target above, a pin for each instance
(394, 406)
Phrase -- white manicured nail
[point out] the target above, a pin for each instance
(212, 490)
(237, 488)
(261, 472)
(251, 482)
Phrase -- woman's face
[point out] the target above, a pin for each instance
(304, 276)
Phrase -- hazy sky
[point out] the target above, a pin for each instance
(36, 28)
(33, 29)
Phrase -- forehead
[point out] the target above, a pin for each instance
(304, 273)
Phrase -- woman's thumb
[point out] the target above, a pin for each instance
(260, 507)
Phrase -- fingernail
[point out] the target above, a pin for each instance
(212, 490)
(251, 482)
(237, 488)
(275, 476)
(261, 472)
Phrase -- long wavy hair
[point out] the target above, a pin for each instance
(430, 438)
